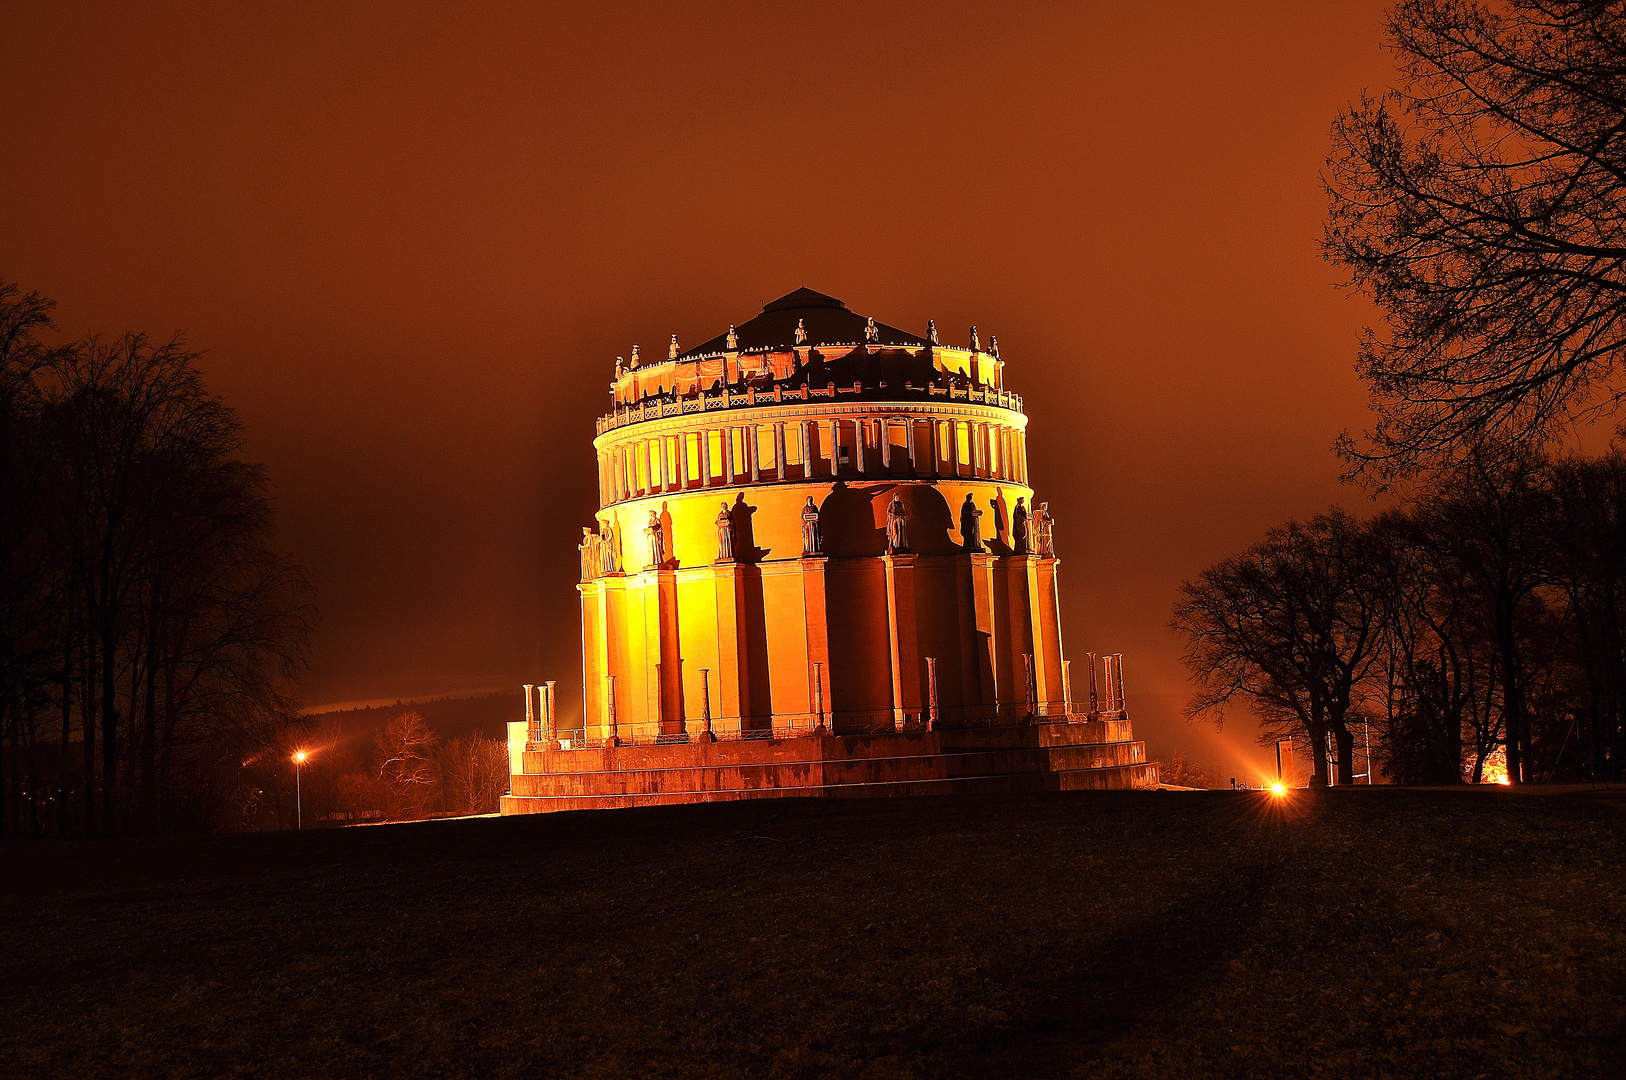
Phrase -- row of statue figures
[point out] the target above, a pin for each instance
(872, 335)
(1030, 534)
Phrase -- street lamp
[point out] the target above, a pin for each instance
(299, 806)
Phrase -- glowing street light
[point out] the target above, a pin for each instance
(299, 807)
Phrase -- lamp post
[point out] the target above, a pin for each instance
(299, 802)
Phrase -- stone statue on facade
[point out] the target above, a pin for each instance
(589, 550)
(810, 529)
(931, 331)
(871, 331)
(993, 346)
(608, 559)
(801, 332)
(657, 542)
(733, 338)
(725, 534)
(971, 524)
(897, 529)
(1019, 528)
(975, 346)
(620, 366)
(1043, 537)
(635, 356)
(672, 349)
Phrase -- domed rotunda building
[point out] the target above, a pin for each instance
(817, 567)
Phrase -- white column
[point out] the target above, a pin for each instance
(835, 448)
(779, 447)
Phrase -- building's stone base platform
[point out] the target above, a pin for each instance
(1049, 756)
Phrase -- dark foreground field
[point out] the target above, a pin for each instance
(1364, 934)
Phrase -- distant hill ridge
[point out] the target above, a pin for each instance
(448, 717)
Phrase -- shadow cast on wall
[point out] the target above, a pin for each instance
(852, 520)
(745, 539)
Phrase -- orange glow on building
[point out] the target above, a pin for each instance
(770, 465)
(816, 524)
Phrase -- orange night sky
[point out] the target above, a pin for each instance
(413, 239)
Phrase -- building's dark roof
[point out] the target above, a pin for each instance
(826, 320)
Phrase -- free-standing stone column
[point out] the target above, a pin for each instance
(705, 706)
(530, 716)
(932, 719)
(818, 632)
(549, 711)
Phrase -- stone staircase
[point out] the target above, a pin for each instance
(1076, 754)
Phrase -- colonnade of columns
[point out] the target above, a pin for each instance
(824, 449)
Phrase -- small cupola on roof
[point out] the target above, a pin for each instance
(803, 319)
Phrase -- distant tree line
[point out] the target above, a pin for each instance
(1482, 624)
(400, 771)
(149, 632)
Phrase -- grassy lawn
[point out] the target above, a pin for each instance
(1363, 933)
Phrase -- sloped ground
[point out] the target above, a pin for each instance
(1365, 933)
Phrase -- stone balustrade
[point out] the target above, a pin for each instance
(755, 397)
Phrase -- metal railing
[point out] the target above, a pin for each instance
(950, 718)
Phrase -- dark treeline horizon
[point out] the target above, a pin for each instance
(150, 637)
(1479, 627)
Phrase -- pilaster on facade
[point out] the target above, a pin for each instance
(903, 636)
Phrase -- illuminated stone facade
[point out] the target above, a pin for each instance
(816, 525)
(751, 426)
